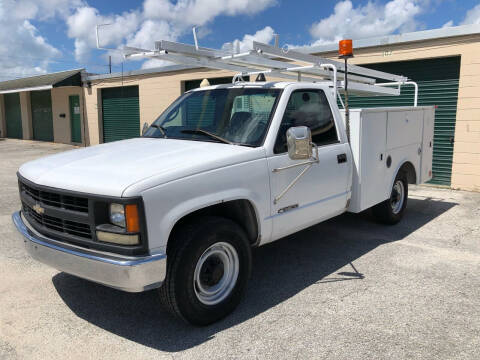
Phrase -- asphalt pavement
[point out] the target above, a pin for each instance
(348, 288)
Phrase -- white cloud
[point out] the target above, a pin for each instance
(264, 35)
(41, 9)
(23, 51)
(153, 63)
(200, 12)
(156, 20)
(448, 24)
(151, 31)
(472, 16)
(371, 19)
(82, 24)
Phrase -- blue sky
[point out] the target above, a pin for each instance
(54, 35)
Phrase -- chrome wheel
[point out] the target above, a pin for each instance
(216, 273)
(398, 197)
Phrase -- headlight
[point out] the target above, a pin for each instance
(124, 227)
(125, 216)
(117, 215)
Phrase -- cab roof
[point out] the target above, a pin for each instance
(254, 85)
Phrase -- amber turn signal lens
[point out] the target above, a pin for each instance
(132, 219)
(345, 47)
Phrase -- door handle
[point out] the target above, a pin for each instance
(342, 158)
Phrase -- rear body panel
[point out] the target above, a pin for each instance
(382, 140)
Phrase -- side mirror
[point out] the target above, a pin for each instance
(299, 142)
(145, 128)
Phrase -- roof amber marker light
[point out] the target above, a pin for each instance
(132, 219)
(345, 48)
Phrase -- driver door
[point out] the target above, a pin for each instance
(321, 192)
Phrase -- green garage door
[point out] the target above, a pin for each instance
(42, 121)
(13, 115)
(438, 85)
(75, 121)
(120, 113)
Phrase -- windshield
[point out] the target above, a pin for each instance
(236, 115)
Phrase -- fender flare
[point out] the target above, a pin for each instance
(397, 170)
(190, 206)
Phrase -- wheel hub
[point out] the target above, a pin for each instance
(397, 197)
(211, 271)
(216, 273)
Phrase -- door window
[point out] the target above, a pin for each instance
(308, 108)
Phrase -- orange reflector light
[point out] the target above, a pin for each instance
(132, 219)
(345, 47)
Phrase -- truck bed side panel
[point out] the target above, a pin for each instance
(382, 140)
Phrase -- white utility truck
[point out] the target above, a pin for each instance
(222, 170)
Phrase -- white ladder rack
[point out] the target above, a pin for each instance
(277, 62)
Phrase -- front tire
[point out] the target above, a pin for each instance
(207, 270)
(391, 210)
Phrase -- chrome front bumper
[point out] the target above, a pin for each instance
(133, 274)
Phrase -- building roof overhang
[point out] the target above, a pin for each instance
(42, 82)
(397, 39)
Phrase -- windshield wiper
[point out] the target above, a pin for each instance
(161, 128)
(209, 134)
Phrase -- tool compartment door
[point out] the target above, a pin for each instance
(372, 161)
(404, 128)
(427, 145)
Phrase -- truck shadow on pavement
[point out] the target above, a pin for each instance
(280, 271)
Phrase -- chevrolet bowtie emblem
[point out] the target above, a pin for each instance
(38, 209)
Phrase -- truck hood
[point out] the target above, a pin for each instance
(109, 169)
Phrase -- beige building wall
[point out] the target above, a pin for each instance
(466, 153)
(61, 106)
(156, 93)
(3, 119)
(26, 111)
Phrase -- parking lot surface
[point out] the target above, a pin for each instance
(345, 289)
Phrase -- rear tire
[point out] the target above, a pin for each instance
(207, 270)
(391, 210)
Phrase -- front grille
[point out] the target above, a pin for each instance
(61, 215)
(71, 217)
(68, 202)
(56, 224)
